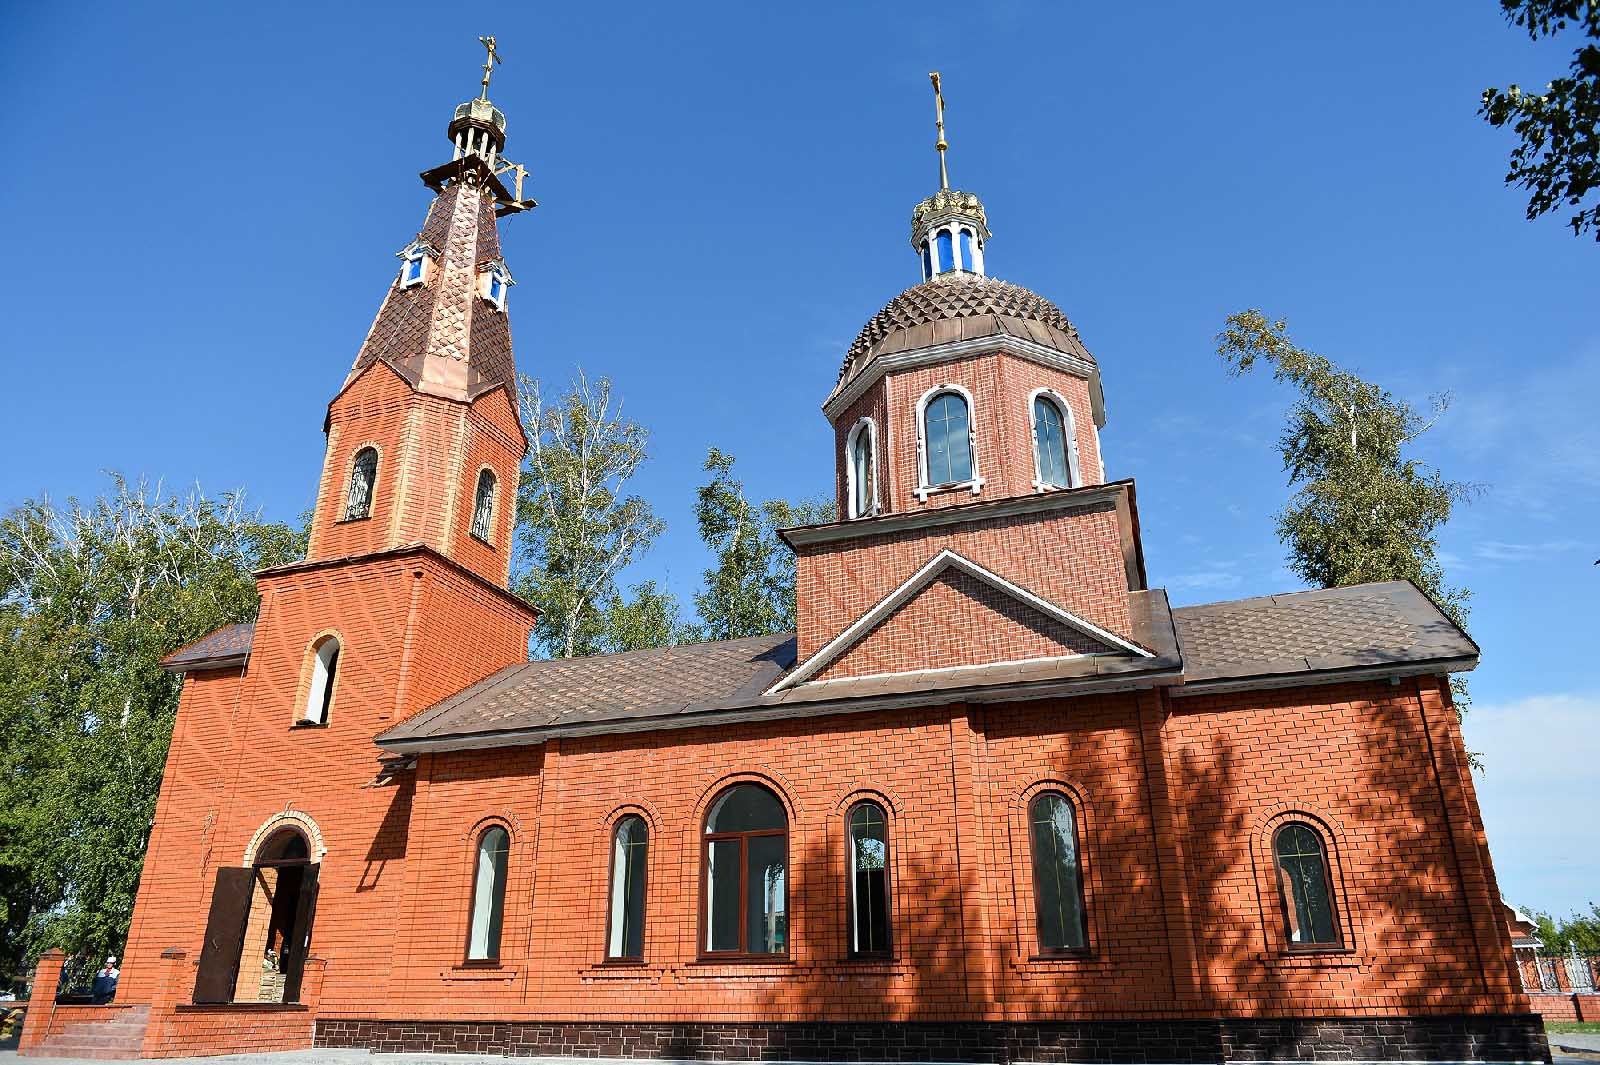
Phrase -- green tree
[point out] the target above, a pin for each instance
(750, 590)
(1560, 934)
(92, 596)
(644, 617)
(1558, 160)
(1364, 508)
(577, 524)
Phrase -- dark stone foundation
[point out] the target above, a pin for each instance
(1503, 1038)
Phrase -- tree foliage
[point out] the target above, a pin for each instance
(1558, 159)
(1560, 934)
(1364, 509)
(92, 596)
(578, 525)
(750, 590)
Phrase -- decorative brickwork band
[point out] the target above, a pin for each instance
(1503, 1038)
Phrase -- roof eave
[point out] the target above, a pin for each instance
(1310, 678)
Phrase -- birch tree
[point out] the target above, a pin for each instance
(92, 596)
(578, 525)
(1364, 508)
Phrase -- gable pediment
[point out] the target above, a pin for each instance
(954, 613)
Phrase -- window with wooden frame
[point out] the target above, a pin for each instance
(867, 832)
(745, 881)
(488, 895)
(630, 843)
(1305, 887)
(1057, 875)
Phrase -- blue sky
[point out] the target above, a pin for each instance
(203, 203)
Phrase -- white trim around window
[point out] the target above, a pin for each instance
(973, 483)
(871, 429)
(1069, 429)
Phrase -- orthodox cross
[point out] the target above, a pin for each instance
(938, 111)
(489, 62)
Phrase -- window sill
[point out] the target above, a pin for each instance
(1322, 958)
(307, 725)
(923, 491)
(348, 520)
(249, 1007)
(481, 972)
(481, 540)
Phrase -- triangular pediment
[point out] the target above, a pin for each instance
(952, 614)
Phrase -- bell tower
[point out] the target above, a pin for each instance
(424, 438)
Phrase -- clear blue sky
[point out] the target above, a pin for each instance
(203, 202)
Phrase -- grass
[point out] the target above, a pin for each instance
(1592, 1027)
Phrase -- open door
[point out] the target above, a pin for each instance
(305, 912)
(219, 958)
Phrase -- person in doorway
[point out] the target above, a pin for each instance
(105, 981)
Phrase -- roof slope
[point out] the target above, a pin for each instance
(636, 684)
(228, 646)
(1390, 623)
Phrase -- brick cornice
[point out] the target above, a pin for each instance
(405, 551)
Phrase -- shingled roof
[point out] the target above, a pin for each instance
(961, 306)
(400, 334)
(228, 646)
(1319, 631)
(1298, 638)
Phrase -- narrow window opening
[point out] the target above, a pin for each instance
(363, 476)
(1050, 443)
(869, 879)
(1304, 887)
(483, 506)
(324, 668)
(488, 895)
(946, 248)
(629, 848)
(863, 484)
(947, 435)
(1057, 881)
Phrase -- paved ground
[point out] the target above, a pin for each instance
(1576, 1040)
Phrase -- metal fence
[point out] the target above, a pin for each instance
(1572, 972)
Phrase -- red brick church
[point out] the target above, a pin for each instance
(994, 800)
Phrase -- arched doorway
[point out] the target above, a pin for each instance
(259, 930)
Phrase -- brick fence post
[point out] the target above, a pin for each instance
(41, 999)
(172, 987)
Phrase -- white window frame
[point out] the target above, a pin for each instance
(1069, 427)
(974, 484)
(416, 252)
(871, 429)
(497, 272)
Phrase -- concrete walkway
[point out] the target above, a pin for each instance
(1588, 1042)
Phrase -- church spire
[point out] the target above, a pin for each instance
(948, 229)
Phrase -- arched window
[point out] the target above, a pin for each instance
(483, 506)
(629, 845)
(947, 440)
(324, 669)
(927, 260)
(966, 249)
(1052, 444)
(746, 883)
(488, 895)
(1057, 882)
(869, 879)
(862, 481)
(363, 476)
(1304, 887)
(946, 248)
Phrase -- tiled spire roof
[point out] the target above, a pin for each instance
(440, 336)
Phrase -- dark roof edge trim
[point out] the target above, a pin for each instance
(505, 595)
(236, 659)
(859, 528)
(1325, 676)
(737, 715)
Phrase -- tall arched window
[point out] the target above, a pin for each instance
(324, 669)
(1057, 882)
(483, 506)
(966, 250)
(363, 476)
(863, 474)
(488, 895)
(746, 883)
(947, 440)
(629, 846)
(927, 260)
(1305, 889)
(869, 879)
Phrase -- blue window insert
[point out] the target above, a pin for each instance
(1050, 443)
(947, 260)
(927, 260)
(966, 249)
(948, 437)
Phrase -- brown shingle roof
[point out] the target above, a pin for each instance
(1324, 629)
(228, 646)
(961, 306)
(636, 684)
